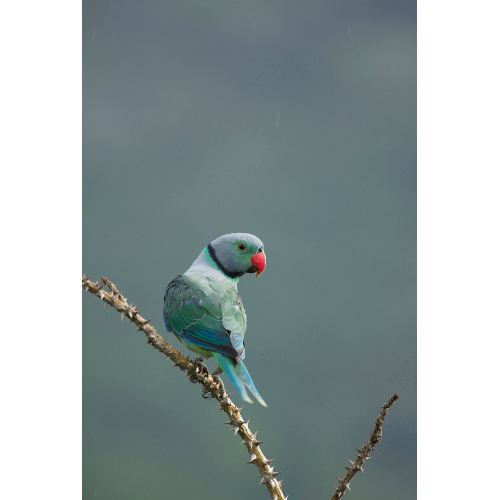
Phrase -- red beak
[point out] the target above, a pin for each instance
(259, 261)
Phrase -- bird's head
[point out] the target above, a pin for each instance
(238, 253)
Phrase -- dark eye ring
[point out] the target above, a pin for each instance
(242, 246)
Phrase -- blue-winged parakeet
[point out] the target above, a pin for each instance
(204, 310)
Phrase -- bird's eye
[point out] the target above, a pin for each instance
(242, 246)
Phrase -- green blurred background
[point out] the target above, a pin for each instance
(291, 120)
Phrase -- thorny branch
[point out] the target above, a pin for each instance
(363, 454)
(196, 372)
(214, 388)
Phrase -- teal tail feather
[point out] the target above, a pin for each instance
(244, 376)
(239, 376)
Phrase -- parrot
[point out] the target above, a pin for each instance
(203, 309)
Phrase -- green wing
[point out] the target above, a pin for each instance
(207, 314)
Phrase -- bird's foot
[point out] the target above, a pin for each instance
(201, 366)
(219, 382)
(217, 371)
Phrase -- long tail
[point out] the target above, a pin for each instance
(239, 376)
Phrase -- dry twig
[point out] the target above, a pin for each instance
(363, 454)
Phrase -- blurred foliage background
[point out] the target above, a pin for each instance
(291, 120)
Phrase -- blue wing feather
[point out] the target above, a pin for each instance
(213, 341)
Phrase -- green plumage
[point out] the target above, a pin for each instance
(206, 309)
(221, 306)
